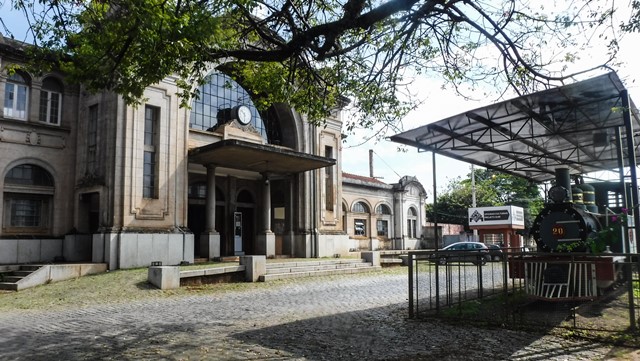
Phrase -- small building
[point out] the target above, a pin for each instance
(378, 215)
(498, 225)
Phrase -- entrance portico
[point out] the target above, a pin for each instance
(269, 163)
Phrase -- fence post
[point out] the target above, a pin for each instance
(410, 258)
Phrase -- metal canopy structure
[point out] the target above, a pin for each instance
(572, 126)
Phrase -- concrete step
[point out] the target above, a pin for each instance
(314, 263)
(315, 267)
(8, 286)
(29, 267)
(326, 272)
(12, 279)
(21, 274)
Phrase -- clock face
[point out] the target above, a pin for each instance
(244, 114)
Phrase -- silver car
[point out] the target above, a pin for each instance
(474, 252)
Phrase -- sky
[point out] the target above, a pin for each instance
(437, 103)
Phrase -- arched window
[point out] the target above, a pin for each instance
(382, 223)
(51, 101)
(412, 220)
(28, 194)
(245, 197)
(360, 207)
(29, 174)
(383, 209)
(16, 97)
(215, 101)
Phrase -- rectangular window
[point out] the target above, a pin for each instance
(150, 171)
(50, 107)
(92, 139)
(360, 227)
(149, 177)
(328, 180)
(26, 211)
(411, 228)
(383, 227)
(15, 101)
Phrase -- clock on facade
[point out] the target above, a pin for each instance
(242, 114)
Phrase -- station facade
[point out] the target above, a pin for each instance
(86, 177)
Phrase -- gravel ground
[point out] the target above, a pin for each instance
(360, 317)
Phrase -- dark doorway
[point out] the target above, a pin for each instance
(221, 227)
(278, 212)
(89, 215)
(197, 221)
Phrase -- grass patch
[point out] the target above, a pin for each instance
(130, 285)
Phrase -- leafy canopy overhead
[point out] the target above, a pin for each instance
(309, 53)
(492, 189)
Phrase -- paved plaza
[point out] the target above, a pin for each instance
(358, 317)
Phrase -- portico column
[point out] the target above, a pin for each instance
(211, 199)
(210, 239)
(266, 241)
(266, 201)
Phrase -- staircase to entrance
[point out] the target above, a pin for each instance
(291, 269)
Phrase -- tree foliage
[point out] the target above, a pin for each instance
(492, 189)
(310, 53)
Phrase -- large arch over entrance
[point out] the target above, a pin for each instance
(257, 156)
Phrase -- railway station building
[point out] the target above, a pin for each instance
(86, 177)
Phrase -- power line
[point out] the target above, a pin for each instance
(393, 170)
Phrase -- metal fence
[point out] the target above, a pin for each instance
(528, 290)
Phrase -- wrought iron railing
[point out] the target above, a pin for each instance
(526, 288)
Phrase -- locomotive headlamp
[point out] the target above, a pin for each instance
(558, 194)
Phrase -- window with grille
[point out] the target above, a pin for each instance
(150, 171)
(28, 193)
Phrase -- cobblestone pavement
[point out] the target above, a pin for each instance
(359, 317)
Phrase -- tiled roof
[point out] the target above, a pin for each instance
(362, 178)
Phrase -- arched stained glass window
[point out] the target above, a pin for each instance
(215, 100)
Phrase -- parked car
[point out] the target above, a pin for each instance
(474, 252)
(495, 252)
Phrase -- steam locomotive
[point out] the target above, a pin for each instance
(563, 268)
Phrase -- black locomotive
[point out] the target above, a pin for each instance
(563, 268)
(572, 218)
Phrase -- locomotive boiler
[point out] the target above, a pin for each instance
(569, 219)
(563, 268)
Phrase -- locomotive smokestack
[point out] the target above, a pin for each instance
(563, 178)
